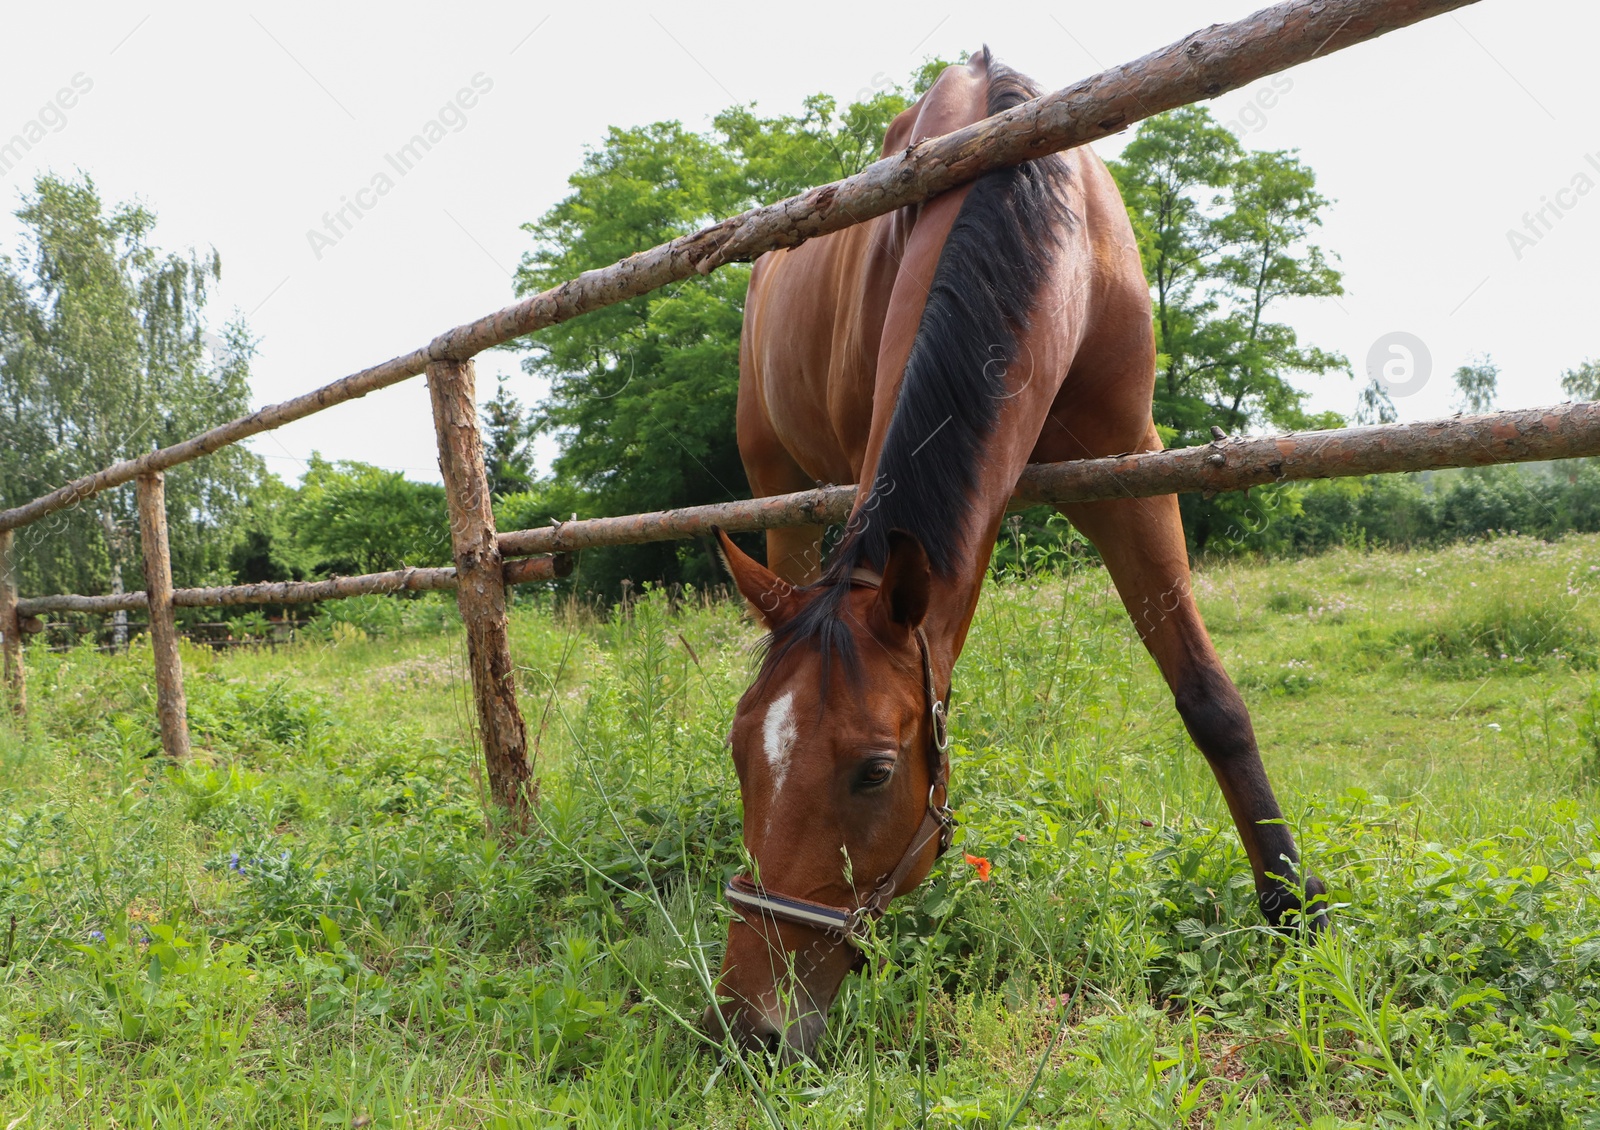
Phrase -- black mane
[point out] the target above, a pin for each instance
(990, 271)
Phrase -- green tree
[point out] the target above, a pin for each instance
(104, 356)
(1374, 405)
(1225, 237)
(779, 157)
(545, 502)
(352, 518)
(507, 444)
(1477, 384)
(1171, 175)
(1582, 383)
(642, 393)
(266, 547)
(1267, 258)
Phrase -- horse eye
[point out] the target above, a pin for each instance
(877, 773)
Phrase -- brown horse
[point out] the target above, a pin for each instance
(932, 353)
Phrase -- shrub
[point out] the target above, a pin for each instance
(1504, 628)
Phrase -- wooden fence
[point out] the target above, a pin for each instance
(1200, 66)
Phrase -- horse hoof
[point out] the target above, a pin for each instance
(1288, 914)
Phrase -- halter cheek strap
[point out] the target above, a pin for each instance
(938, 823)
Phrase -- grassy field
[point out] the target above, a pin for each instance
(310, 924)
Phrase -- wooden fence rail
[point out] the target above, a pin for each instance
(1563, 431)
(519, 572)
(1200, 66)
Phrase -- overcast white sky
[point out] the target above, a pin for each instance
(242, 127)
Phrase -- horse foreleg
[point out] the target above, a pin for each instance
(794, 554)
(1142, 543)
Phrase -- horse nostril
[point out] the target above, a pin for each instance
(761, 1034)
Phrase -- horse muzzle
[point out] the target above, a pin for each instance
(786, 1040)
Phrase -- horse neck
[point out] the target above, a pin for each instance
(966, 528)
(954, 422)
(956, 407)
(956, 590)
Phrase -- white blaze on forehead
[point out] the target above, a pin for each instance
(777, 738)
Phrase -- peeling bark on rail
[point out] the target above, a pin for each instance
(1199, 66)
(1202, 65)
(821, 507)
(519, 572)
(1563, 431)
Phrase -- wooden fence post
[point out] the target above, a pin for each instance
(481, 587)
(16, 678)
(171, 706)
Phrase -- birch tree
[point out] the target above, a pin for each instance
(104, 355)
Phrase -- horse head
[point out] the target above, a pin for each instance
(839, 745)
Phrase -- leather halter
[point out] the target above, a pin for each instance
(851, 924)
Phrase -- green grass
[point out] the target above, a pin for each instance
(312, 923)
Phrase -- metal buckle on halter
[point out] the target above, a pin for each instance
(941, 727)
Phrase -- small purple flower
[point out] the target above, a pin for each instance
(234, 864)
(96, 937)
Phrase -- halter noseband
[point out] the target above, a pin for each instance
(849, 925)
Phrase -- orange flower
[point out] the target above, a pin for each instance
(982, 864)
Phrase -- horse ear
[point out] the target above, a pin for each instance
(769, 596)
(907, 581)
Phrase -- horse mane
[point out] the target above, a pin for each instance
(990, 270)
